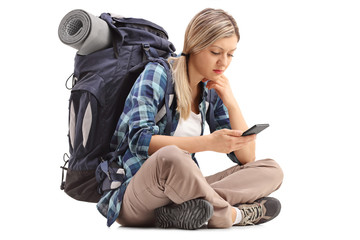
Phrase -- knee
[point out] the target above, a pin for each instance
(277, 172)
(173, 156)
(274, 169)
(171, 152)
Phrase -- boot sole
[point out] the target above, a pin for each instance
(191, 214)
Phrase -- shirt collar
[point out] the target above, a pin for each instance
(204, 90)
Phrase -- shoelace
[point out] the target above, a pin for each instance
(252, 213)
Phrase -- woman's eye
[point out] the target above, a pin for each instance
(215, 53)
(231, 55)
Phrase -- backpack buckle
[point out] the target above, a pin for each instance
(150, 52)
(146, 47)
(64, 168)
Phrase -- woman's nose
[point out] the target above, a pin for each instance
(222, 61)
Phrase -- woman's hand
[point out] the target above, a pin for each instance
(222, 88)
(226, 140)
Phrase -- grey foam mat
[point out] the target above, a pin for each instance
(84, 32)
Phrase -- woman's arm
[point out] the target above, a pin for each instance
(223, 141)
(189, 144)
(246, 153)
(237, 121)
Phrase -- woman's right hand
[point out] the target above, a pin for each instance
(227, 140)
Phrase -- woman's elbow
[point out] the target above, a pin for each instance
(245, 160)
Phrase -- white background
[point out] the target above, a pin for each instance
(296, 67)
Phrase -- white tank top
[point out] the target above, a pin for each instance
(190, 127)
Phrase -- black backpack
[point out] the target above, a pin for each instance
(101, 82)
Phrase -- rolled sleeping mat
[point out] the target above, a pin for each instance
(84, 32)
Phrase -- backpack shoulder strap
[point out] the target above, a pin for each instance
(168, 99)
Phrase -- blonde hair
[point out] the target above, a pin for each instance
(204, 29)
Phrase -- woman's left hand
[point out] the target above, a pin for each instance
(222, 88)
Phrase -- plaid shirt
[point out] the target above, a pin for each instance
(137, 125)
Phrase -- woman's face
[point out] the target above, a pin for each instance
(211, 62)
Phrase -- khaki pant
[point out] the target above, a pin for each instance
(170, 175)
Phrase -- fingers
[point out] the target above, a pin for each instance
(235, 140)
(227, 140)
(233, 133)
(213, 84)
(238, 133)
(241, 142)
(248, 138)
(210, 84)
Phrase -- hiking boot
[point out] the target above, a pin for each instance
(191, 214)
(261, 211)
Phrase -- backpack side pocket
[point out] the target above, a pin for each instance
(85, 139)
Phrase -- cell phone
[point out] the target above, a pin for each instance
(255, 129)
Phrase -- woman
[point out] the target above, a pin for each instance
(164, 185)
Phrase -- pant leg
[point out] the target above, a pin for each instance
(247, 183)
(169, 175)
